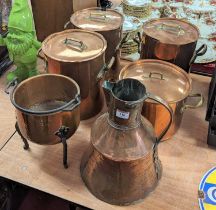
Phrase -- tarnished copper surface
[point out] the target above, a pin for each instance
(36, 100)
(121, 165)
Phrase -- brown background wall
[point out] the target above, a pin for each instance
(50, 16)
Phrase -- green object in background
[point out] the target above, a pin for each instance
(21, 41)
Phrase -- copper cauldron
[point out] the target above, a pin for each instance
(171, 40)
(121, 165)
(171, 83)
(44, 104)
(79, 55)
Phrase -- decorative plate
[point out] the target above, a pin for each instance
(207, 191)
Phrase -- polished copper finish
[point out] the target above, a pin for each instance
(170, 83)
(171, 40)
(121, 165)
(108, 23)
(44, 104)
(83, 65)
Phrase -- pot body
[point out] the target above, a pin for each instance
(85, 74)
(179, 55)
(44, 104)
(159, 116)
(41, 129)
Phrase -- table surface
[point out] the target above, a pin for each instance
(185, 158)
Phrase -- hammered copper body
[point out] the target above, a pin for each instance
(121, 165)
(44, 104)
(108, 23)
(171, 40)
(168, 81)
(81, 59)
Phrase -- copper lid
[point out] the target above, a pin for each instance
(74, 45)
(95, 19)
(160, 78)
(171, 31)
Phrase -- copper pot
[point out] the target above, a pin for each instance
(44, 104)
(108, 23)
(169, 82)
(171, 40)
(79, 55)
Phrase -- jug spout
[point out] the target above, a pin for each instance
(107, 88)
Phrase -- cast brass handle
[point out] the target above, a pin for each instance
(169, 109)
(105, 68)
(199, 104)
(174, 29)
(154, 75)
(75, 44)
(97, 16)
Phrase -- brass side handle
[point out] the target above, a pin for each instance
(197, 105)
(75, 44)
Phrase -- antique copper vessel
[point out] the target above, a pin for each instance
(108, 23)
(79, 55)
(121, 165)
(171, 40)
(44, 104)
(171, 83)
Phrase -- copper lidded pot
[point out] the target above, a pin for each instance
(169, 82)
(121, 165)
(44, 104)
(171, 40)
(108, 23)
(79, 55)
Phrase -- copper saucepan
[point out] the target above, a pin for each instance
(108, 23)
(79, 55)
(169, 82)
(171, 40)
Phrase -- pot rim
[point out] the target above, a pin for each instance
(170, 18)
(43, 47)
(52, 111)
(125, 68)
(97, 8)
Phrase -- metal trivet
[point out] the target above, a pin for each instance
(62, 133)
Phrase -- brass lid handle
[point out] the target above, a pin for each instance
(96, 16)
(75, 44)
(170, 28)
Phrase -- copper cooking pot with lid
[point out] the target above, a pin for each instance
(169, 82)
(108, 23)
(171, 40)
(79, 55)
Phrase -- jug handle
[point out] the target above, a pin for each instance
(169, 109)
(107, 89)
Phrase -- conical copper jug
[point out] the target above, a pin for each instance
(121, 165)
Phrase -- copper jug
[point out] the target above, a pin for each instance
(121, 165)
